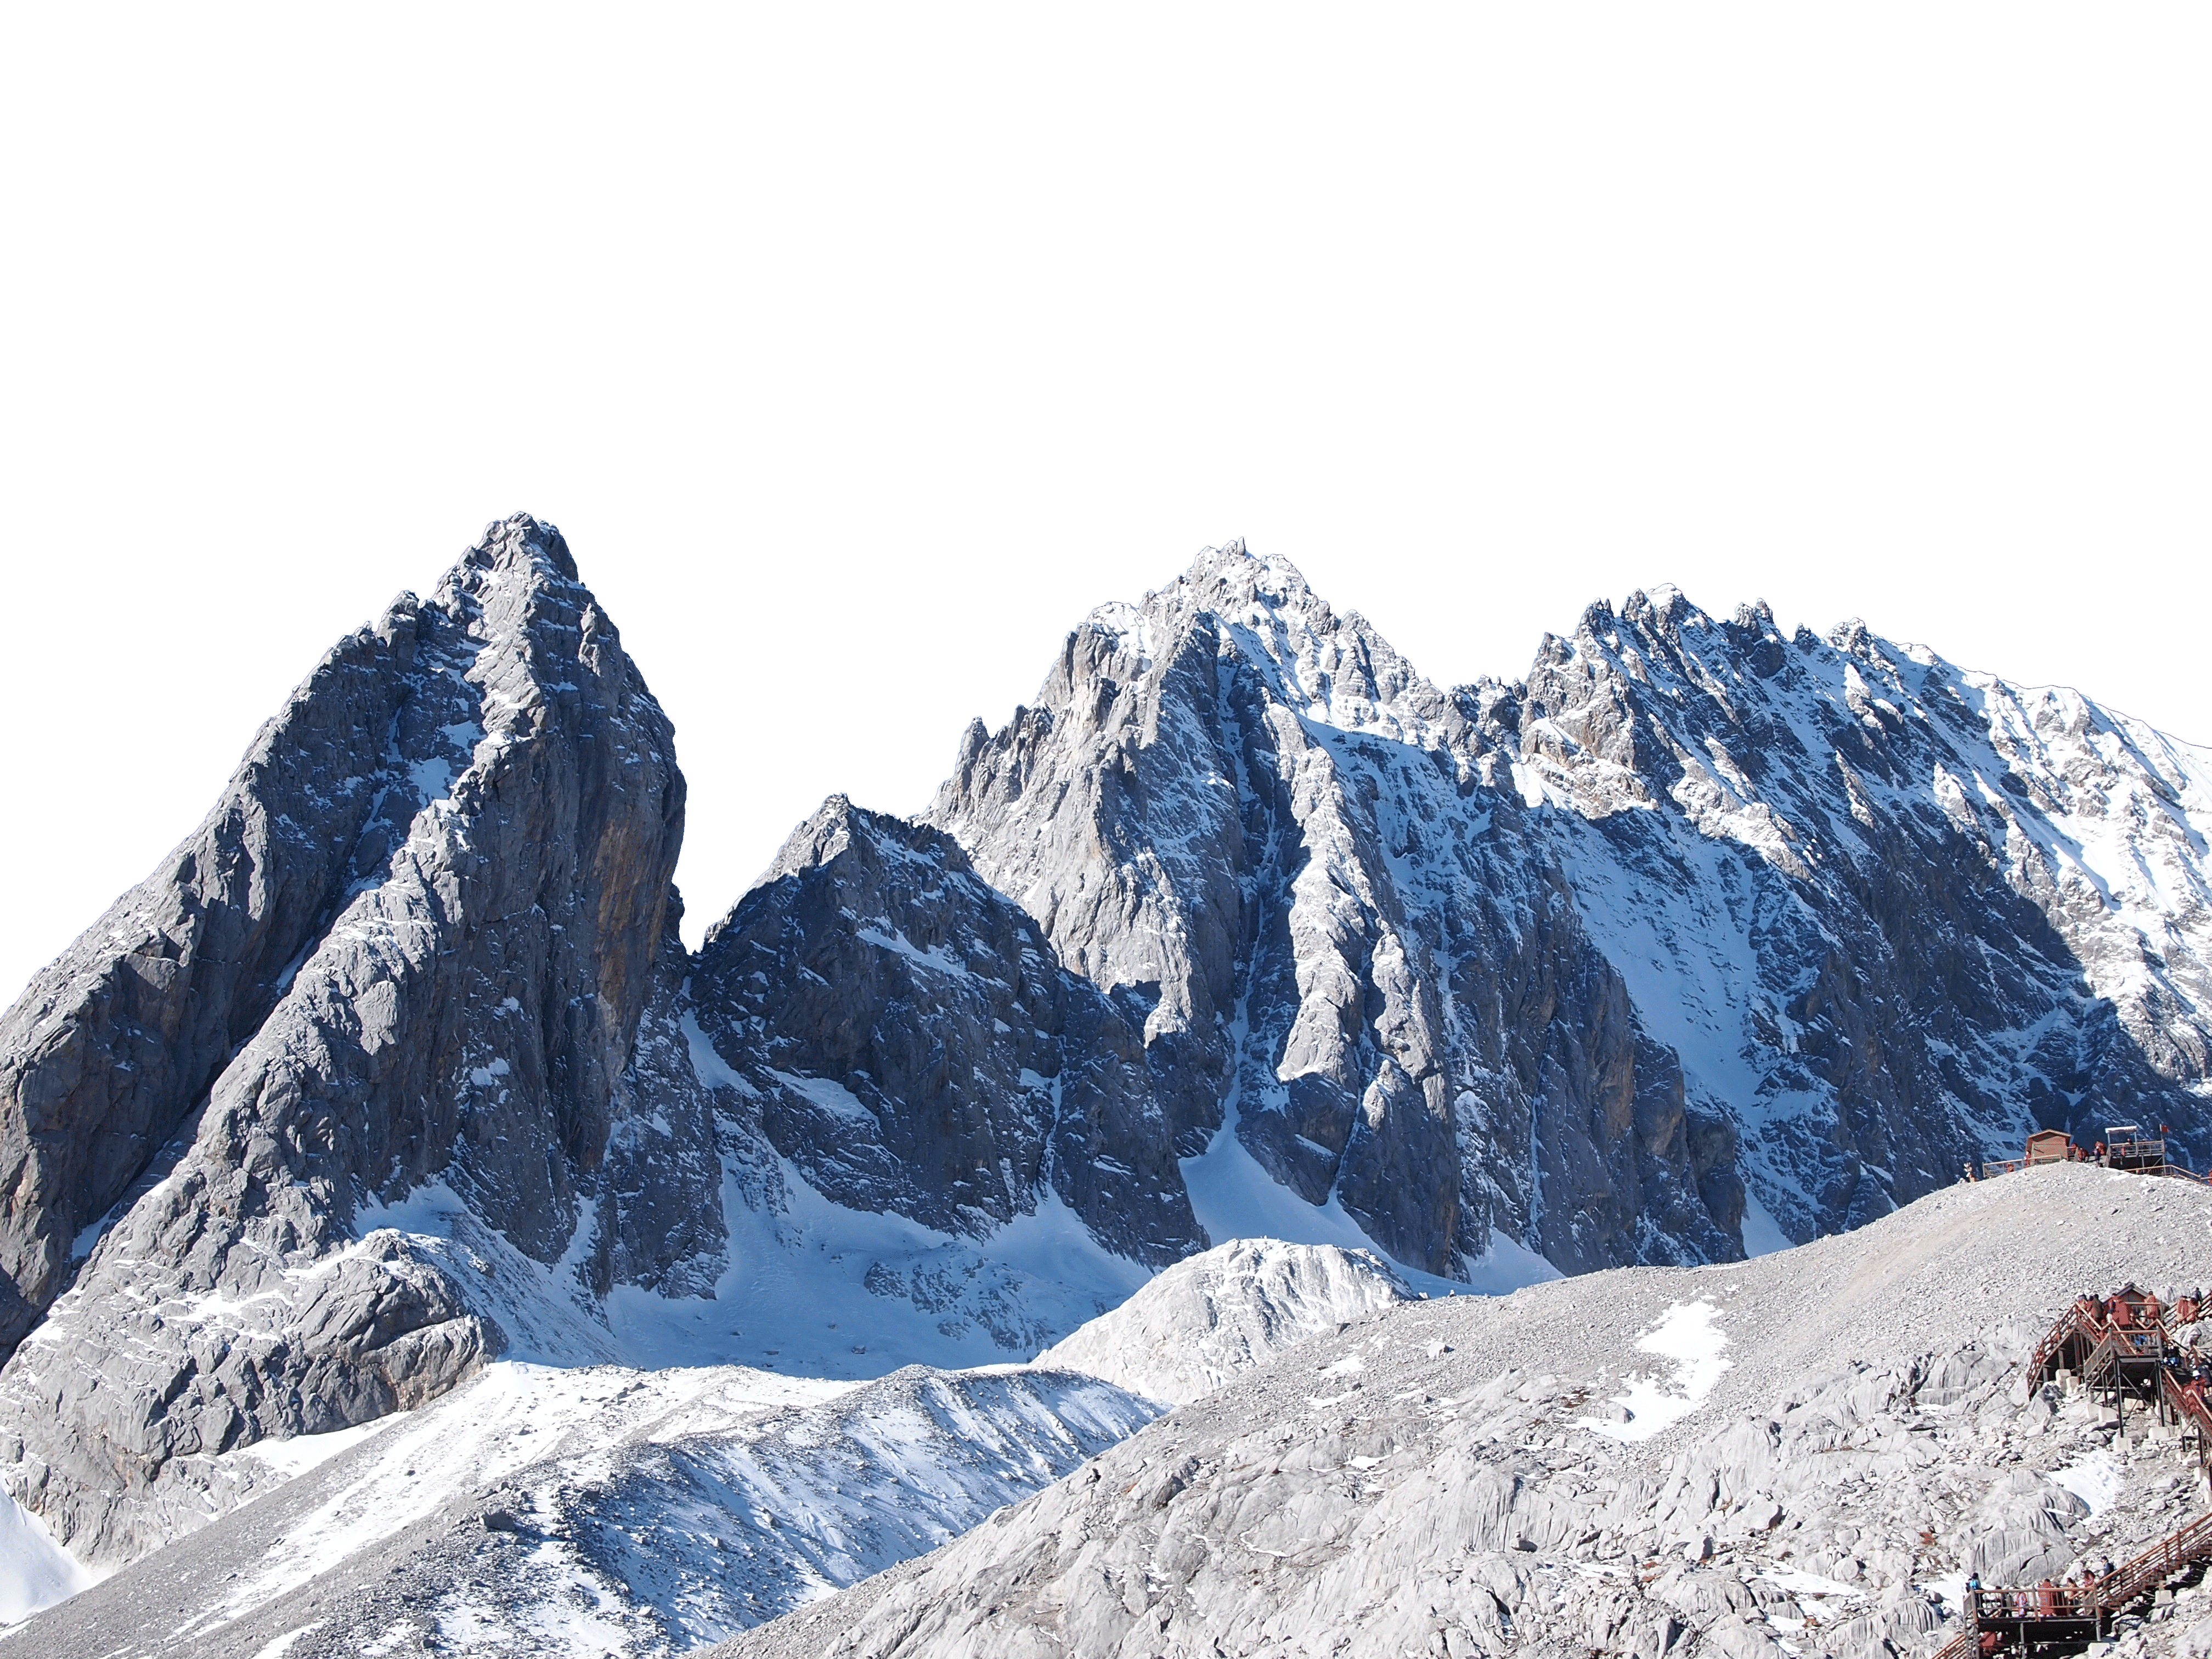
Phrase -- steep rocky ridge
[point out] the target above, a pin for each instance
(483, 882)
(114, 1045)
(1890, 913)
(908, 1041)
(1250, 817)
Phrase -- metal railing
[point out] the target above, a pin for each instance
(2145, 1157)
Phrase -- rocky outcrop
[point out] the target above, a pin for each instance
(907, 1039)
(438, 979)
(1201, 1321)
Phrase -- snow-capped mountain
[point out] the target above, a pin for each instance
(1697, 940)
(1248, 817)
(1889, 913)
(1696, 936)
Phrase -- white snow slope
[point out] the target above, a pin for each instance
(592, 1511)
(35, 1570)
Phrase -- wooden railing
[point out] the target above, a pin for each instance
(2115, 1590)
(2144, 1339)
(2099, 1601)
(2021, 1609)
(1990, 1169)
(2073, 1323)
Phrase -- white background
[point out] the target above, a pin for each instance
(859, 351)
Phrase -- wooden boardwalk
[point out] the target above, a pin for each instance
(2121, 1362)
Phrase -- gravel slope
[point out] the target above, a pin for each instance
(1465, 1476)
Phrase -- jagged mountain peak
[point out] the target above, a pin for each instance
(1334, 667)
(838, 827)
(1266, 829)
(517, 542)
(1227, 580)
(410, 950)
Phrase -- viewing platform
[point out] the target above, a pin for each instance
(2123, 1349)
(2125, 1148)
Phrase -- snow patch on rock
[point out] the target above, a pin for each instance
(1688, 1335)
(35, 1571)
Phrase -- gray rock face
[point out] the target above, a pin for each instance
(113, 1045)
(1572, 960)
(1249, 817)
(1890, 913)
(494, 883)
(912, 1045)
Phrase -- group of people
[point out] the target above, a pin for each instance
(2130, 1308)
(2190, 1375)
(2077, 1596)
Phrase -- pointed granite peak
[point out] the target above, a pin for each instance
(837, 828)
(1231, 575)
(518, 545)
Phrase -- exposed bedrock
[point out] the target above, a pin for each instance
(1251, 821)
(425, 918)
(911, 1043)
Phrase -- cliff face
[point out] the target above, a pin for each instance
(1248, 817)
(908, 1041)
(413, 945)
(1568, 961)
(1890, 913)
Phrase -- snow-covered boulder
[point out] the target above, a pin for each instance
(1204, 1320)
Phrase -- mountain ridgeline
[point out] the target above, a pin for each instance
(1697, 937)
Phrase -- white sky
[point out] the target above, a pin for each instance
(859, 351)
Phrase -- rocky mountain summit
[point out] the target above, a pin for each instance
(1697, 940)
(412, 943)
(911, 1043)
(1250, 818)
(1695, 930)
